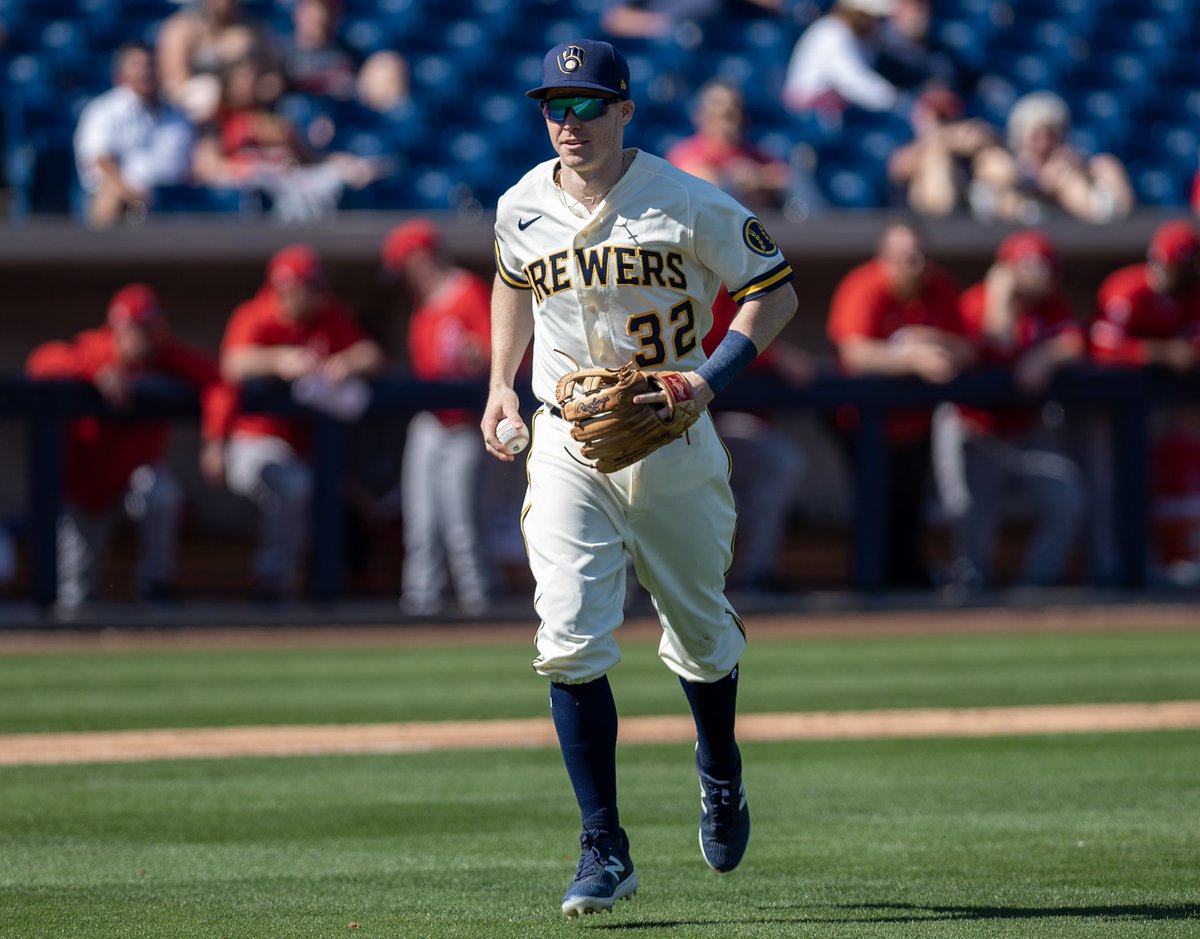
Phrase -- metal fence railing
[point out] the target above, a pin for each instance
(1124, 397)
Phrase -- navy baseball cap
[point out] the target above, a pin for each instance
(584, 63)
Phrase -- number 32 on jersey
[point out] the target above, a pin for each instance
(653, 334)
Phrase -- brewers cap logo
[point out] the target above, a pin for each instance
(570, 60)
(756, 238)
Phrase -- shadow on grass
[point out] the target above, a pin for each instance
(919, 913)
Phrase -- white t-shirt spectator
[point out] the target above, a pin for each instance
(152, 146)
(830, 60)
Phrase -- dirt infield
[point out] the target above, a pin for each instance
(220, 743)
(214, 743)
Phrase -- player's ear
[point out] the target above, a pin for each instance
(627, 108)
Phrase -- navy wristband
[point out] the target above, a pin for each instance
(728, 361)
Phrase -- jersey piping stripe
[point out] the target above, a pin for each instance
(513, 280)
(776, 277)
(738, 620)
(728, 476)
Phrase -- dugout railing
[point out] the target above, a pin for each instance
(1125, 398)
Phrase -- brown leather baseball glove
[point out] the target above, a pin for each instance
(614, 431)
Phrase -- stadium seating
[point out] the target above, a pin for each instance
(1126, 67)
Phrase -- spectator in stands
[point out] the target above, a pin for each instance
(1018, 318)
(127, 142)
(196, 44)
(833, 64)
(897, 314)
(117, 465)
(292, 329)
(315, 62)
(910, 57)
(449, 339)
(658, 19)
(720, 154)
(250, 145)
(761, 450)
(1041, 172)
(934, 169)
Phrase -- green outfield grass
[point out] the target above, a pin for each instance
(1095, 835)
(1064, 836)
(463, 681)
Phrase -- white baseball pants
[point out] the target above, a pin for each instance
(673, 513)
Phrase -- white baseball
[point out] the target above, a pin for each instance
(515, 439)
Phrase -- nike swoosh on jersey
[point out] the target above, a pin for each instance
(522, 224)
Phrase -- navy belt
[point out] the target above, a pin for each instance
(553, 410)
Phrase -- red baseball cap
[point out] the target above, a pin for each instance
(1175, 243)
(1023, 245)
(295, 264)
(134, 305)
(418, 235)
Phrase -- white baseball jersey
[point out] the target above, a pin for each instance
(636, 278)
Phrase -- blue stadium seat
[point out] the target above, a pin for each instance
(817, 128)
(139, 9)
(1121, 65)
(1103, 116)
(395, 192)
(433, 189)
(32, 75)
(1174, 143)
(436, 79)
(41, 170)
(850, 188)
(466, 39)
(993, 99)
(1155, 185)
(366, 35)
(46, 10)
(966, 38)
(205, 199)
(1112, 71)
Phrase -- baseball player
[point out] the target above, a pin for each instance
(608, 255)
(448, 339)
(1017, 317)
(1148, 315)
(294, 328)
(897, 314)
(113, 464)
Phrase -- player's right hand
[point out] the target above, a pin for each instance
(292, 362)
(502, 403)
(114, 386)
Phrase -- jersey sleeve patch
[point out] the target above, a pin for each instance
(510, 277)
(754, 234)
(764, 283)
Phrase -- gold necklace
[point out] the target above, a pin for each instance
(626, 161)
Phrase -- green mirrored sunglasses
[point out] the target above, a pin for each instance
(586, 109)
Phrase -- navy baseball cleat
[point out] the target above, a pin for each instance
(724, 820)
(605, 874)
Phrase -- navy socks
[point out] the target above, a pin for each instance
(585, 717)
(714, 706)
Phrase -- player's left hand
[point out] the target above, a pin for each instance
(700, 392)
(212, 462)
